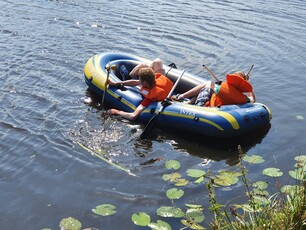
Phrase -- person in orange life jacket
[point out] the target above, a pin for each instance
(154, 87)
(229, 92)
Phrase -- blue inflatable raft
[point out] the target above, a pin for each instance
(224, 121)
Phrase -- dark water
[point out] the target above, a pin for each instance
(46, 176)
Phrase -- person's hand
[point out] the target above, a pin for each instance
(109, 82)
(112, 111)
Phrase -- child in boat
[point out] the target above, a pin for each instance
(225, 93)
(154, 87)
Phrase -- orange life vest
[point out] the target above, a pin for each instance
(239, 83)
(231, 92)
(160, 91)
(227, 95)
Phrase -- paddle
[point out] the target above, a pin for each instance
(108, 68)
(152, 122)
(249, 72)
(211, 73)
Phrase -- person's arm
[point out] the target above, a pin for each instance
(252, 96)
(127, 82)
(129, 116)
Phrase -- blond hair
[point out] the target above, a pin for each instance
(242, 74)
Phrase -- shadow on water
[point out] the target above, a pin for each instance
(210, 148)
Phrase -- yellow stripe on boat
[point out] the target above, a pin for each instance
(230, 118)
(192, 117)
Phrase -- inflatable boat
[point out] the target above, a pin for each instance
(223, 121)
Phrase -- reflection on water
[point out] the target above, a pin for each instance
(220, 149)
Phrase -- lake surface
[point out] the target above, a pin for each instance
(46, 176)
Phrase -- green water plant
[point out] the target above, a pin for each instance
(105, 210)
(70, 224)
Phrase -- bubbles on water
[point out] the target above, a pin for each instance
(12, 90)
(87, 100)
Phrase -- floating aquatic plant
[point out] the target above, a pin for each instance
(141, 219)
(253, 159)
(159, 225)
(272, 172)
(226, 178)
(70, 224)
(173, 164)
(298, 174)
(170, 211)
(174, 193)
(105, 210)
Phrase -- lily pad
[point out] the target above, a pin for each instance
(181, 182)
(160, 225)
(70, 224)
(195, 215)
(174, 193)
(104, 210)
(173, 164)
(173, 177)
(200, 180)
(141, 219)
(272, 172)
(253, 159)
(194, 206)
(261, 200)
(260, 185)
(223, 180)
(293, 190)
(300, 165)
(170, 211)
(260, 192)
(195, 173)
(191, 225)
(301, 159)
(298, 174)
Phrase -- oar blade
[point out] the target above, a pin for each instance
(150, 125)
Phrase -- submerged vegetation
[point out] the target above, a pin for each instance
(285, 209)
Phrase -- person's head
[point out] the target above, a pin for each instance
(147, 77)
(241, 74)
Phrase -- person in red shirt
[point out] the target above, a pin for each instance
(154, 87)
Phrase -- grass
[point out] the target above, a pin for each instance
(285, 210)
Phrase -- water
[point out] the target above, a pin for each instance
(46, 176)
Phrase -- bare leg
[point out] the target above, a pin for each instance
(135, 71)
(156, 65)
(193, 92)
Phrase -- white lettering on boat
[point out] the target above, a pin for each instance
(188, 113)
